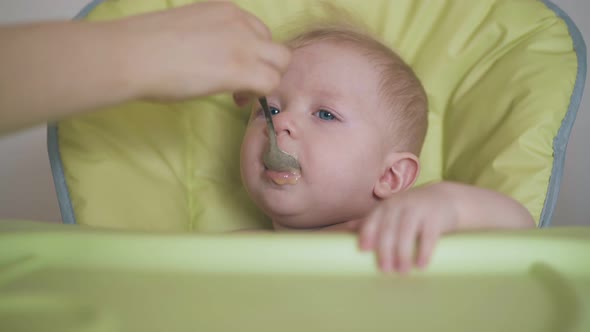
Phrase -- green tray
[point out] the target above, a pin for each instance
(69, 278)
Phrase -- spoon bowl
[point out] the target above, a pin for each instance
(274, 158)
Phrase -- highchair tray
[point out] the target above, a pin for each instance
(57, 277)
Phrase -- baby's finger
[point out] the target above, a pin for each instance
(368, 234)
(386, 244)
(428, 239)
(406, 241)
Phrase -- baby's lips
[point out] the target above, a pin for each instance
(282, 178)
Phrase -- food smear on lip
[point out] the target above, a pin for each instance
(282, 178)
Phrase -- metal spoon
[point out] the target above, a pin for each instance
(274, 158)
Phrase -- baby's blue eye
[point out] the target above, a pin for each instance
(274, 110)
(325, 115)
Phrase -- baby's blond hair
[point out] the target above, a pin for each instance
(400, 87)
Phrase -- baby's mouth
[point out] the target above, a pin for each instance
(282, 177)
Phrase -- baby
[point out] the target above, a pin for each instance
(355, 117)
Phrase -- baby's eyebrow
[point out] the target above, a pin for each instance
(330, 94)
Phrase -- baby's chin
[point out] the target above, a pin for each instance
(281, 208)
(299, 222)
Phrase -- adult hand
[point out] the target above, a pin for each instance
(205, 48)
(55, 69)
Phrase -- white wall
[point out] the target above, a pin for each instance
(573, 206)
(26, 187)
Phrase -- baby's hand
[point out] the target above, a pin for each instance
(405, 223)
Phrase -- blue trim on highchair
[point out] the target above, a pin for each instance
(87, 9)
(560, 141)
(61, 187)
(59, 179)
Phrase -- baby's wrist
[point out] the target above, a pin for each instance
(451, 193)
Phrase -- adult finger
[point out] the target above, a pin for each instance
(243, 98)
(261, 30)
(261, 79)
(276, 55)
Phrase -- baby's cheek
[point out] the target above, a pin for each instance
(331, 175)
(248, 155)
(342, 172)
(251, 141)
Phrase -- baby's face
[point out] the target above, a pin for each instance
(328, 114)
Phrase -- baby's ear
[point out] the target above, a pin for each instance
(400, 174)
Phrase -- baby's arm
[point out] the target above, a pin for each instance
(419, 216)
(479, 208)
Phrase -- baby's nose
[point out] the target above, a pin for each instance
(285, 123)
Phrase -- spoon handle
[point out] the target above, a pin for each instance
(268, 116)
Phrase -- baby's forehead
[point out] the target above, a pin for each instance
(380, 60)
(344, 56)
(336, 65)
(323, 56)
(333, 47)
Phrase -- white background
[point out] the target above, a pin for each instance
(26, 186)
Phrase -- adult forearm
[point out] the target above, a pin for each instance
(51, 70)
